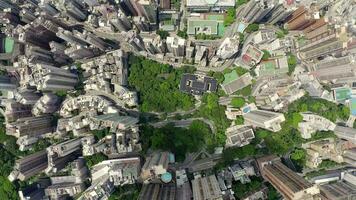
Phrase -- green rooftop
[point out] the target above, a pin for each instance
(213, 26)
(9, 45)
(342, 94)
(229, 77)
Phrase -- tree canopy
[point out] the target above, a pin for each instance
(230, 16)
(238, 102)
(157, 85)
(252, 28)
(177, 140)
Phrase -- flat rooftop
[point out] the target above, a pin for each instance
(196, 85)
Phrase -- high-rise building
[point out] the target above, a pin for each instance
(255, 11)
(50, 78)
(7, 83)
(47, 104)
(30, 126)
(120, 171)
(60, 155)
(156, 191)
(29, 166)
(176, 46)
(338, 190)
(149, 10)
(332, 42)
(300, 19)
(206, 188)
(287, 182)
(334, 69)
(264, 119)
(155, 165)
(280, 12)
(239, 136)
(14, 110)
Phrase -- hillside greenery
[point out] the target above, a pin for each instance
(158, 85)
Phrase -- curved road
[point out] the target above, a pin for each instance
(185, 123)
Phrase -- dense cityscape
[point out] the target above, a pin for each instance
(178, 99)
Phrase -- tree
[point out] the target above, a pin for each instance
(177, 140)
(125, 192)
(158, 85)
(162, 34)
(7, 189)
(241, 2)
(183, 33)
(266, 55)
(240, 70)
(212, 110)
(246, 91)
(230, 17)
(241, 190)
(238, 102)
(95, 159)
(252, 28)
(239, 120)
(292, 63)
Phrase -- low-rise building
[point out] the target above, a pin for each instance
(205, 5)
(264, 119)
(251, 56)
(119, 171)
(327, 149)
(312, 123)
(233, 82)
(238, 136)
(197, 85)
(206, 188)
(29, 166)
(288, 183)
(155, 166)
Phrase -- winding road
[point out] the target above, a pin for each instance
(185, 123)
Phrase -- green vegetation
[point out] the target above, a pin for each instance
(210, 109)
(203, 36)
(99, 134)
(252, 28)
(313, 174)
(176, 4)
(162, 34)
(292, 63)
(241, 38)
(7, 189)
(157, 85)
(125, 192)
(321, 135)
(79, 87)
(289, 137)
(230, 17)
(327, 164)
(240, 70)
(246, 91)
(242, 190)
(266, 54)
(177, 140)
(241, 2)
(219, 76)
(237, 153)
(282, 33)
(238, 102)
(239, 120)
(298, 156)
(272, 193)
(183, 34)
(95, 159)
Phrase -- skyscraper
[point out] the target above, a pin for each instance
(29, 166)
(287, 182)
